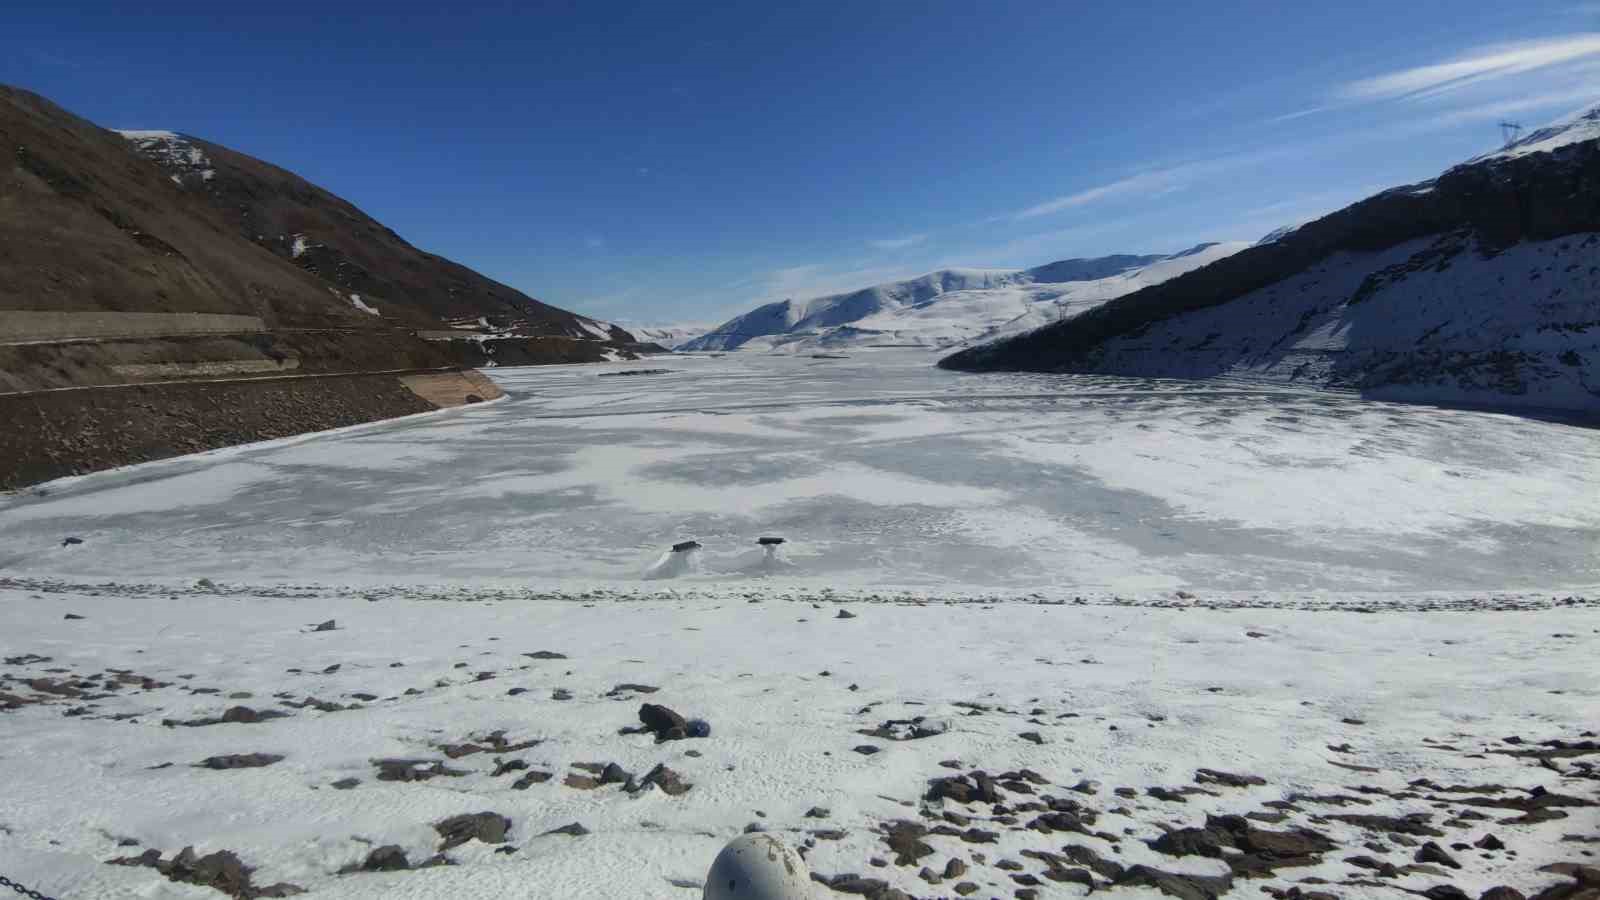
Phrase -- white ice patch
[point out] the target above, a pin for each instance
(358, 303)
(300, 246)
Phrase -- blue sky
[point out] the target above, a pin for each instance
(667, 162)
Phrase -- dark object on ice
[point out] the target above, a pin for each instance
(635, 372)
(573, 830)
(845, 614)
(771, 541)
(70, 616)
(473, 398)
(699, 728)
(68, 542)
(325, 626)
(685, 546)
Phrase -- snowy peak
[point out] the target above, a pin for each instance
(1576, 128)
(1067, 270)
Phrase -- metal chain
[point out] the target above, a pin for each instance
(30, 893)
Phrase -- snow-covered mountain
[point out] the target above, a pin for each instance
(1480, 286)
(668, 335)
(1577, 128)
(950, 307)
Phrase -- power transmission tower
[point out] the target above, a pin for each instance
(1510, 131)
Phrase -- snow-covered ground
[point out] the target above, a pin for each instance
(1146, 578)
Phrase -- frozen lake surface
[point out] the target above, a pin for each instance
(881, 471)
(1370, 637)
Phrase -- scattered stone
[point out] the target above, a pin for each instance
(1489, 842)
(572, 830)
(239, 761)
(905, 840)
(325, 626)
(817, 812)
(345, 784)
(626, 688)
(530, 779)
(560, 694)
(222, 871)
(487, 827)
(664, 723)
(71, 616)
(1413, 824)
(388, 858)
(1213, 776)
(407, 769)
(865, 749)
(1431, 852)
(233, 715)
(1033, 736)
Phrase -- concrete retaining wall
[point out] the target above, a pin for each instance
(17, 325)
(452, 388)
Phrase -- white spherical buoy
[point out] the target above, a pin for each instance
(757, 867)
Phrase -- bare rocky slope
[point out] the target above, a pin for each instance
(1481, 286)
(140, 319)
(373, 269)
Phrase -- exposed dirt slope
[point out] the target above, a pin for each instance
(331, 238)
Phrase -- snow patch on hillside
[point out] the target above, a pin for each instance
(172, 151)
(1435, 319)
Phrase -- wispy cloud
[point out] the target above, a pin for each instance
(900, 243)
(1153, 183)
(1587, 94)
(1475, 66)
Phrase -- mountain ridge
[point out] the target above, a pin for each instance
(1478, 285)
(945, 307)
